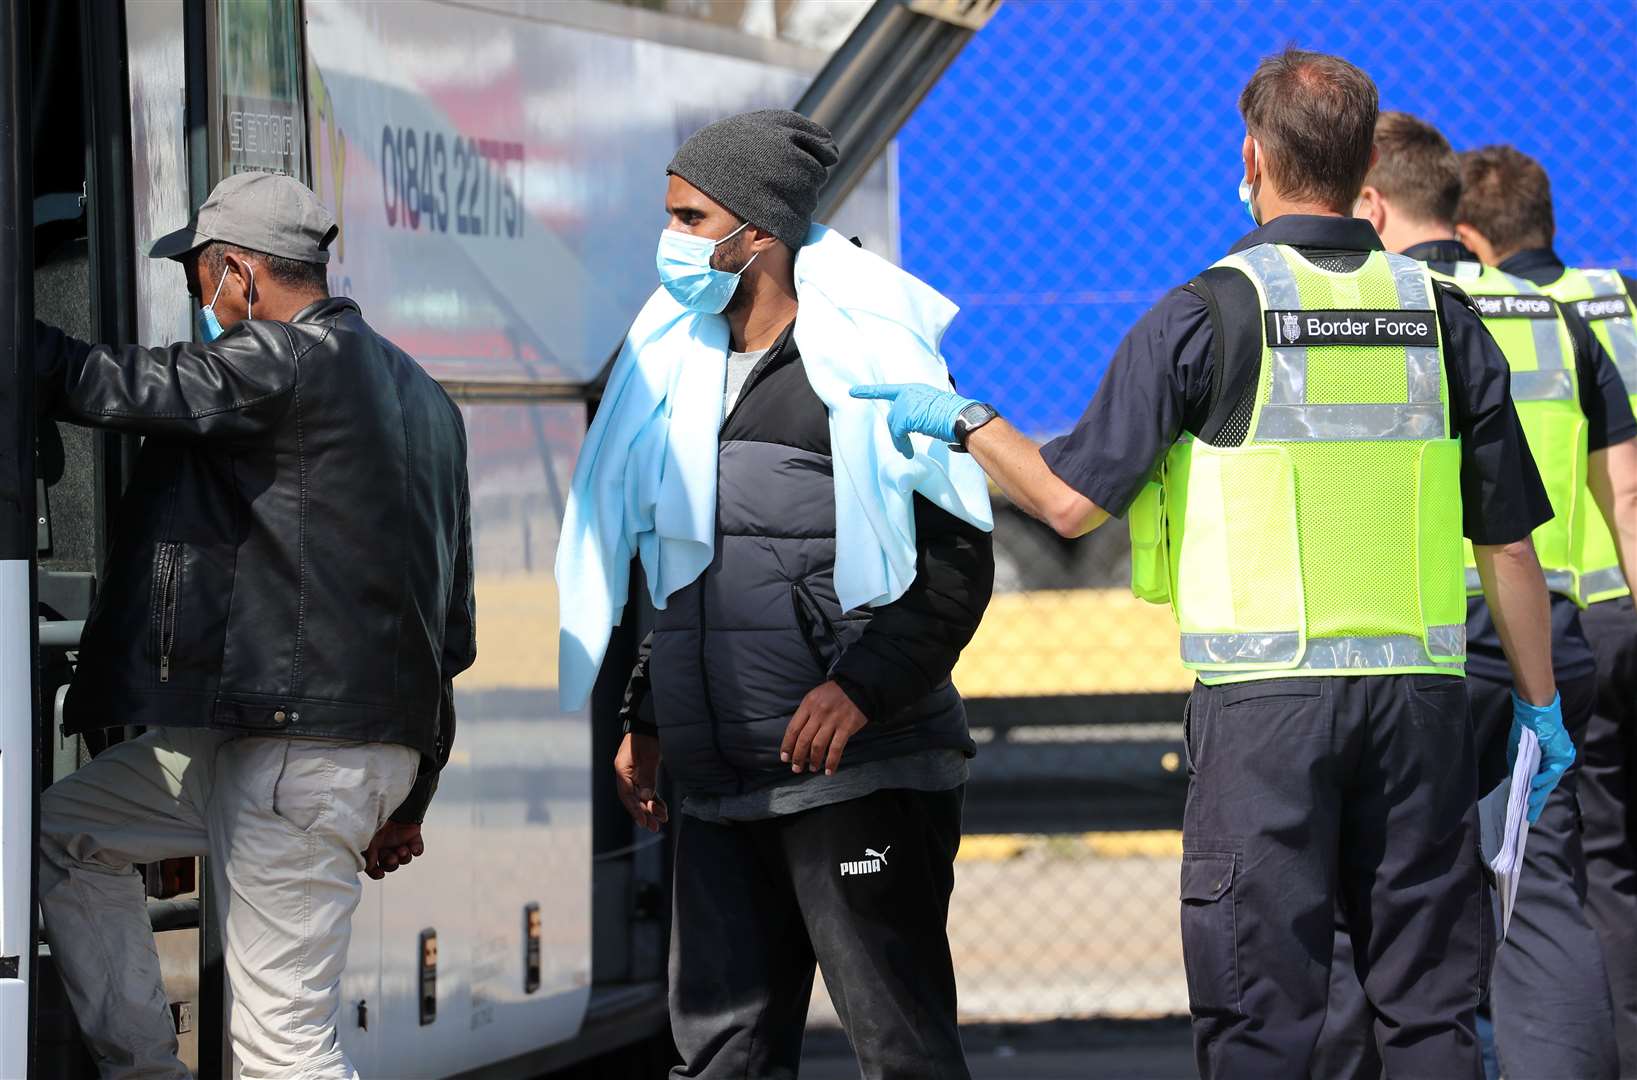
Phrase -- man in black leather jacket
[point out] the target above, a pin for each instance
(287, 600)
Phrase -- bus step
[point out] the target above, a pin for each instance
(173, 914)
(163, 915)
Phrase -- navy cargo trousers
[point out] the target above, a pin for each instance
(1306, 793)
(1608, 798)
(1549, 996)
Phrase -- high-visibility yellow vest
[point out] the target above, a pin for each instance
(1329, 542)
(1601, 298)
(1529, 327)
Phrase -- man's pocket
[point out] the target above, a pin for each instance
(397, 768)
(347, 788)
(1227, 723)
(1210, 931)
(304, 790)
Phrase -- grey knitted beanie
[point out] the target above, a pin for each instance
(766, 166)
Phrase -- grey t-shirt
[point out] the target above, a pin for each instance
(740, 365)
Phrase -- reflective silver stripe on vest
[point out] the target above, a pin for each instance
(1609, 579)
(1246, 651)
(1467, 271)
(1542, 385)
(1548, 341)
(1622, 332)
(1448, 640)
(1289, 385)
(1604, 283)
(1420, 361)
(1558, 581)
(1319, 423)
(1287, 416)
(1278, 648)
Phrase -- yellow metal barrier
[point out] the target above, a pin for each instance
(1033, 644)
(1148, 844)
(1074, 641)
(516, 633)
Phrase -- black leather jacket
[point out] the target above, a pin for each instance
(293, 553)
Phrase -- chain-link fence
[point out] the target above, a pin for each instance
(1077, 161)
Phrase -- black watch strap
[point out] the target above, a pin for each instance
(971, 419)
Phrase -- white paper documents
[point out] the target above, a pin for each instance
(1508, 862)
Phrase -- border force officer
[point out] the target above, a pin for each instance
(1506, 217)
(1299, 436)
(1577, 418)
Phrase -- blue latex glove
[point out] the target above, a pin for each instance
(916, 408)
(1556, 748)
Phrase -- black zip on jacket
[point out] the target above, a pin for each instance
(733, 654)
(294, 553)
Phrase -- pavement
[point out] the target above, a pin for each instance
(1064, 926)
(1094, 1050)
(1049, 926)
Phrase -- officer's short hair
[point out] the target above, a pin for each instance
(1315, 117)
(1507, 196)
(1416, 170)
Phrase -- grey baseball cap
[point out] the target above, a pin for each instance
(260, 211)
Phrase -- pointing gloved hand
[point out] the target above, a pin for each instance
(1556, 748)
(916, 408)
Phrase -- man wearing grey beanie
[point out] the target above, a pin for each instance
(821, 754)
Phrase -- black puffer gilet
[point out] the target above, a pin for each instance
(735, 652)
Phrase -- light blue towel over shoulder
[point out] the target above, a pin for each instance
(645, 482)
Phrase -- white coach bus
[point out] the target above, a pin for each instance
(497, 169)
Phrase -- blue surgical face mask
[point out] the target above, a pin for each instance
(685, 270)
(210, 327)
(1245, 188)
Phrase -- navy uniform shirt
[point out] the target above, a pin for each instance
(1609, 421)
(1543, 267)
(1603, 396)
(1159, 384)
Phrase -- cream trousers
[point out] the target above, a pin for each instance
(283, 822)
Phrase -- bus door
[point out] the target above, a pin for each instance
(17, 543)
(101, 143)
(124, 114)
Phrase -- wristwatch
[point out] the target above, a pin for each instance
(971, 419)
